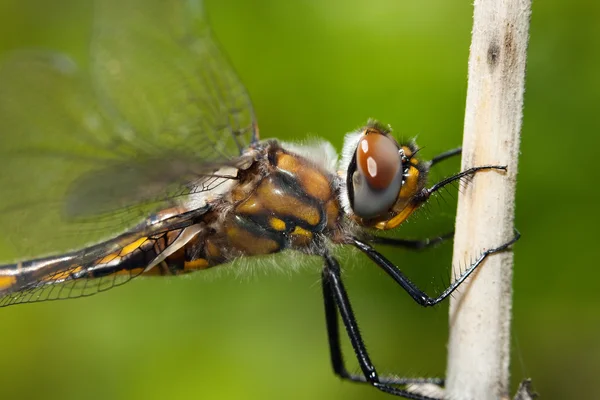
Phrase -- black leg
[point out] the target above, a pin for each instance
(417, 294)
(445, 155)
(423, 196)
(337, 359)
(419, 244)
(333, 331)
(426, 193)
(336, 299)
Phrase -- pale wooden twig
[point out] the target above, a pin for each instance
(480, 314)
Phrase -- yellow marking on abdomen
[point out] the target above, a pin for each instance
(7, 281)
(108, 258)
(130, 248)
(62, 275)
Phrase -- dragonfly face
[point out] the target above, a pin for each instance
(150, 163)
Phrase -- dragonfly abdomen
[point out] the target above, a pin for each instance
(110, 263)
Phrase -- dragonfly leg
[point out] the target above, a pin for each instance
(336, 300)
(417, 294)
(445, 155)
(410, 244)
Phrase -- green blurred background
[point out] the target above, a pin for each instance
(324, 68)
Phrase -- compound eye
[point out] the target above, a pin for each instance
(378, 159)
(377, 179)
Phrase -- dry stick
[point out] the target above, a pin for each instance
(480, 315)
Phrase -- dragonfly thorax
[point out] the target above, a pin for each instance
(283, 201)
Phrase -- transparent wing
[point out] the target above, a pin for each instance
(155, 63)
(86, 154)
(99, 267)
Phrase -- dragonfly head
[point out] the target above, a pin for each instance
(381, 177)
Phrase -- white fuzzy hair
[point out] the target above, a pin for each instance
(287, 262)
(350, 144)
(319, 151)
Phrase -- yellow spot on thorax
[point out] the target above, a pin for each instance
(277, 224)
(301, 237)
(301, 231)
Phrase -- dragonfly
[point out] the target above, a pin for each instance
(149, 163)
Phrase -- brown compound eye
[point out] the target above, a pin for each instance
(377, 180)
(377, 158)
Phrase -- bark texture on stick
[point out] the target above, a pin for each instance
(480, 314)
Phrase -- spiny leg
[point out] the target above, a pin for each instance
(424, 195)
(337, 359)
(336, 299)
(417, 294)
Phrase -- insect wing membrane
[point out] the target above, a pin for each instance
(89, 154)
(168, 79)
(52, 132)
